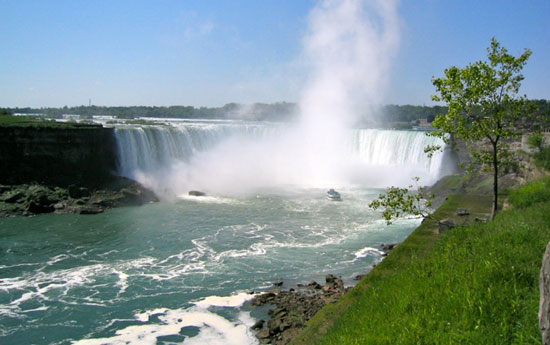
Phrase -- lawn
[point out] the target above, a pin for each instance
(475, 284)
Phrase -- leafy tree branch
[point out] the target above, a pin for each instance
(397, 202)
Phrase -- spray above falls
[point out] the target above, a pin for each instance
(347, 51)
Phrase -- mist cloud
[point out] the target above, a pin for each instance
(348, 48)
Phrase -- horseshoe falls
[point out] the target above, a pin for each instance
(180, 271)
(242, 158)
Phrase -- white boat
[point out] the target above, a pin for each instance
(334, 195)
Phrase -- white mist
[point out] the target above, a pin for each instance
(348, 49)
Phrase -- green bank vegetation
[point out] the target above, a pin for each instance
(537, 142)
(485, 108)
(389, 116)
(34, 122)
(475, 284)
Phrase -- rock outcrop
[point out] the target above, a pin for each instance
(32, 199)
(83, 155)
(293, 308)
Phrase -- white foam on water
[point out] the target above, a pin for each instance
(122, 281)
(233, 301)
(362, 253)
(213, 329)
(254, 249)
(208, 199)
(43, 286)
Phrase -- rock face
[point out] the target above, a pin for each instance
(65, 169)
(544, 309)
(293, 308)
(84, 155)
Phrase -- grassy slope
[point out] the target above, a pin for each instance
(473, 285)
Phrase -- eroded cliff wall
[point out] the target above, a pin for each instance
(59, 156)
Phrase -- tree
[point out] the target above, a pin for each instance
(484, 107)
(402, 201)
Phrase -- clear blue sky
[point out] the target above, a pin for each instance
(211, 52)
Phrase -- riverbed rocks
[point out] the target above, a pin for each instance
(32, 199)
(294, 307)
(196, 193)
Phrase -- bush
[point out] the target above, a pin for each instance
(542, 158)
(536, 141)
(532, 193)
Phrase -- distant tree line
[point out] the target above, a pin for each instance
(409, 113)
(281, 111)
(258, 111)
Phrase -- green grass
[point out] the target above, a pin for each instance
(34, 122)
(542, 158)
(476, 284)
(532, 193)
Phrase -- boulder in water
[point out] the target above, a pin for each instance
(196, 193)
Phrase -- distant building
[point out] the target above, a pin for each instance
(73, 117)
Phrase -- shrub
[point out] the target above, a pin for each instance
(536, 141)
(542, 158)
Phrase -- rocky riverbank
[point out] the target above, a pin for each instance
(32, 199)
(294, 307)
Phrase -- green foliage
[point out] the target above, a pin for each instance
(484, 107)
(542, 158)
(536, 141)
(530, 194)
(37, 122)
(397, 202)
(475, 285)
(280, 111)
(408, 113)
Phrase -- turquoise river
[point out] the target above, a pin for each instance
(180, 271)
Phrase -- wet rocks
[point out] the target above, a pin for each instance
(76, 192)
(32, 199)
(294, 307)
(278, 282)
(387, 248)
(258, 325)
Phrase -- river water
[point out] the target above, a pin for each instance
(179, 271)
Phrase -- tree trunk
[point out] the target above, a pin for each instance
(495, 181)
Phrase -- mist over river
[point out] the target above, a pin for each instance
(179, 271)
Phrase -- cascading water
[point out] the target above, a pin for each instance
(153, 148)
(180, 272)
(213, 155)
(390, 148)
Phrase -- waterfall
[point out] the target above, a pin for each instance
(151, 148)
(224, 156)
(397, 148)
